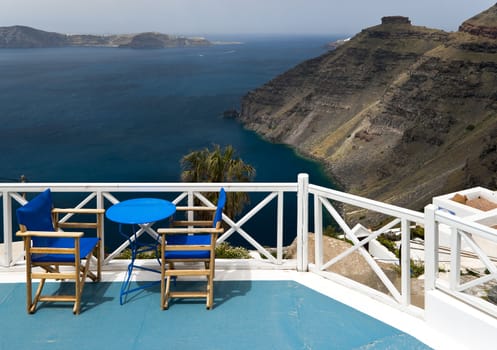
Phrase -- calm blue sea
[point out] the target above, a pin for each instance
(114, 115)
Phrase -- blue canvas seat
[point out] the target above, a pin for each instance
(191, 240)
(86, 246)
(49, 248)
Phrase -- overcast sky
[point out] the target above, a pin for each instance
(203, 17)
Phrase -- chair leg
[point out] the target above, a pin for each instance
(210, 289)
(210, 279)
(29, 291)
(76, 307)
(79, 274)
(99, 265)
(34, 302)
(208, 302)
(84, 271)
(162, 286)
(96, 255)
(90, 274)
(162, 253)
(166, 295)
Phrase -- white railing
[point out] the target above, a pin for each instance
(325, 202)
(474, 236)
(323, 198)
(103, 195)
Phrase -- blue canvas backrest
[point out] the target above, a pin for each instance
(36, 215)
(220, 205)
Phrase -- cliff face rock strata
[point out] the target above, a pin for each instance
(483, 24)
(399, 113)
(26, 37)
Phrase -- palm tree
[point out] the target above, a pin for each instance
(219, 165)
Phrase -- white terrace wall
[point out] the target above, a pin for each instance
(449, 308)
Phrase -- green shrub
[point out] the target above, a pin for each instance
(331, 231)
(418, 232)
(126, 254)
(225, 250)
(417, 268)
(387, 243)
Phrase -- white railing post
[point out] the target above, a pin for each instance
(302, 221)
(405, 262)
(100, 205)
(431, 248)
(455, 258)
(7, 229)
(279, 229)
(318, 232)
(191, 203)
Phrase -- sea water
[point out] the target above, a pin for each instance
(124, 115)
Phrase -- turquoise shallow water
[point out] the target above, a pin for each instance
(119, 115)
(246, 315)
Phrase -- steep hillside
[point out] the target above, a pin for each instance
(482, 24)
(399, 113)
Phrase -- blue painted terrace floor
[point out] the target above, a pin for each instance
(252, 310)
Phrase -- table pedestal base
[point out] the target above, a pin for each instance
(137, 248)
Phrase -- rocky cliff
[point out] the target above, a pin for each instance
(27, 37)
(399, 113)
(482, 24)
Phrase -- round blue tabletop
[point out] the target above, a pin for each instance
(140, 211)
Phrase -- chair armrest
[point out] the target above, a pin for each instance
(78, 211)
(196, 223)
(176, 231)
(52, 234)
(96, 224)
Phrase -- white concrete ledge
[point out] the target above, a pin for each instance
(469, 327)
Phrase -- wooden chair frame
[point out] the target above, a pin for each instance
(193, 227)
(51, 269)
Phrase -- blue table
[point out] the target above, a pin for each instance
(140, 211)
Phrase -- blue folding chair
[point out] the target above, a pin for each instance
(47, 247)
(191, 241)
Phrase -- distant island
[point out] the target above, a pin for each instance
(15, 37)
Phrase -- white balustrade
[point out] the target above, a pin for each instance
(103, 195)
(323, 198)
(474, 235)
(325, 203)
